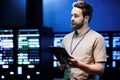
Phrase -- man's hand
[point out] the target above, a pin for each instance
(73, 62)
(94, 69)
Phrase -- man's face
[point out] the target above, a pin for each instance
(77, 19)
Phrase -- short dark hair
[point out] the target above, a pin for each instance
(87, 9)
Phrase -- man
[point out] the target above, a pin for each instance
(86, 46)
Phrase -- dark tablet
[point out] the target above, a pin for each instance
(60, 53)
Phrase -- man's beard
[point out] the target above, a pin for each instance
(77, 26)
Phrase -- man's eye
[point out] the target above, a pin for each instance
(75, 16)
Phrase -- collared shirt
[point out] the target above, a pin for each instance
(91, 49)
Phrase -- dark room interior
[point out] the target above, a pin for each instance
(29, 27)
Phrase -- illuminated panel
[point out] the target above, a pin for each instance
(28, 47)
(116, 58)
(6, 47)
(116, 40)
(58, 37)
(107, 39)
(116, 50)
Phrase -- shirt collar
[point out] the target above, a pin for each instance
(80, 32)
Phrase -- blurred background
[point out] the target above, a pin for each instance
(28, 27)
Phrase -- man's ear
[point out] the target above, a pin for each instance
(86, 18)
